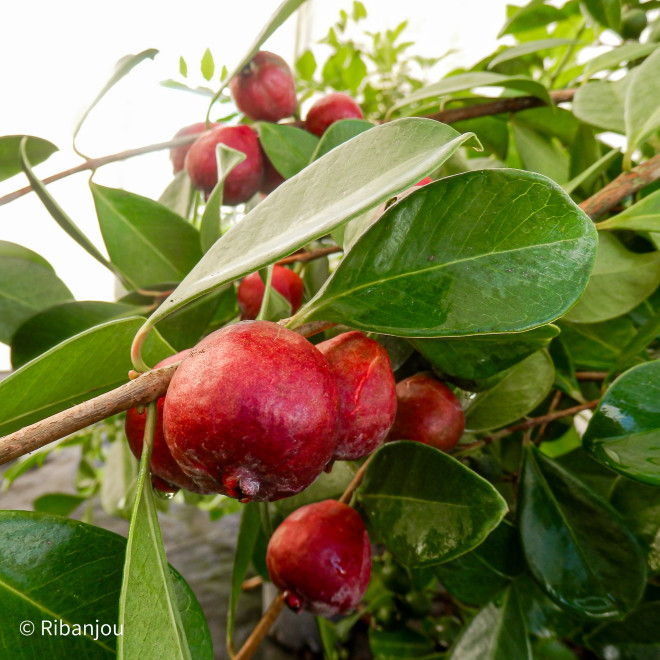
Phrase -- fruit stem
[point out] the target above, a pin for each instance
(136, 348)
(261, 629)
(308, 329)
(356, 481)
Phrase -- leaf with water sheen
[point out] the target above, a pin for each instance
(624, 432)
(490, 251)
(345, 182)
(577, 546)
(55, 569)
(422, 519)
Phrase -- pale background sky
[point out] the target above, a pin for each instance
(57, 56)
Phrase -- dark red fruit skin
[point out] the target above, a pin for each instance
(367, 392)
(178, 154)
(265, 89)
(321, 554)
(329, 109)
(252, 412)
(244, 180)
(428, 412)
(251, 290)
(167, 476)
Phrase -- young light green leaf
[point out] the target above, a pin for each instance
(124, 66)
(207, 65)
(337, 187)
(421, 519)
(148, 243)
(642, 216)
(288, 148)
(85, 366)
(642, 112)
(28, 284)
(522, 388)
(601, 104)
(620, 281)
(624, 432)
(183, 67)
(461, 256)
(148, 611)
(576, 544)
(211, 228)
(613, 58)
(527, 48)
(497, 632)
(37, 151)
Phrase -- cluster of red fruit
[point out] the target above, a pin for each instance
(264, 90)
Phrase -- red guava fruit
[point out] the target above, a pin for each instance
(251, 290)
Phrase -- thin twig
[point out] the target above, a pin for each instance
(355, 482)
(304, 257)
(591, 375)
(556, 399)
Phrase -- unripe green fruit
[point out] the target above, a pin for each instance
(417, 604)
(633, 23)
(395, 577)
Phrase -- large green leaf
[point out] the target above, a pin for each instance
(476, 577)
(518, 392)
(624, 432)
(146, 241)
(288, 148)
(642, 112)
(620, 281)
(338, 133)
(423, 519)
(600, 103)
(339, 186)
(56, 570)
(400, 643)
(576, 544)
(28, 284)
(481, 357)
(37, 149)
(497, 632)
(78, 369)
(59, 322)
(482, 252)
(628, 52)
(642, 216)
(466, 81)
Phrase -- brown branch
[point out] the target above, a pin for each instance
(355, 482)
(591, 375)
(142, 390)
(94, 163)
(261, 629)
(304, 257)
(623, 186)
(513, 104)
(556, 399)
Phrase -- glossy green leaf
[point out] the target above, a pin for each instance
(483, 356)
(518, 392)
(424, 520)
(28, 284)
(635, 349)
(82, 367)
(148, 611)
(247, 537)
(620, 281)
(339, 186)
(497, 632)
(518, 262)
(289, 148)
(624, 432)
(639, 505)
(37, 150)
(146, 241)
(612, 59)
(477, 576)
(591, 473)
(53, 569)
(338, 133)
(211, 227)
(55, 324)
(398, 644)
(606, 12)
(637, 637)
(527, 48)
(565, 378)
(59, 504)
(576, 544)
(642, 216)
(124, 66)
(470, 80)
(57, 212)
(642, 112)
(601, 104)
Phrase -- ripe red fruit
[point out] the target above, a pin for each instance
(329, 109)
(251, 291)
(428, 412)
(178, 154)
(265, 89)
(166, 474)
(367, 395)
(244, 180)
(321, 555)
(252, 412)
